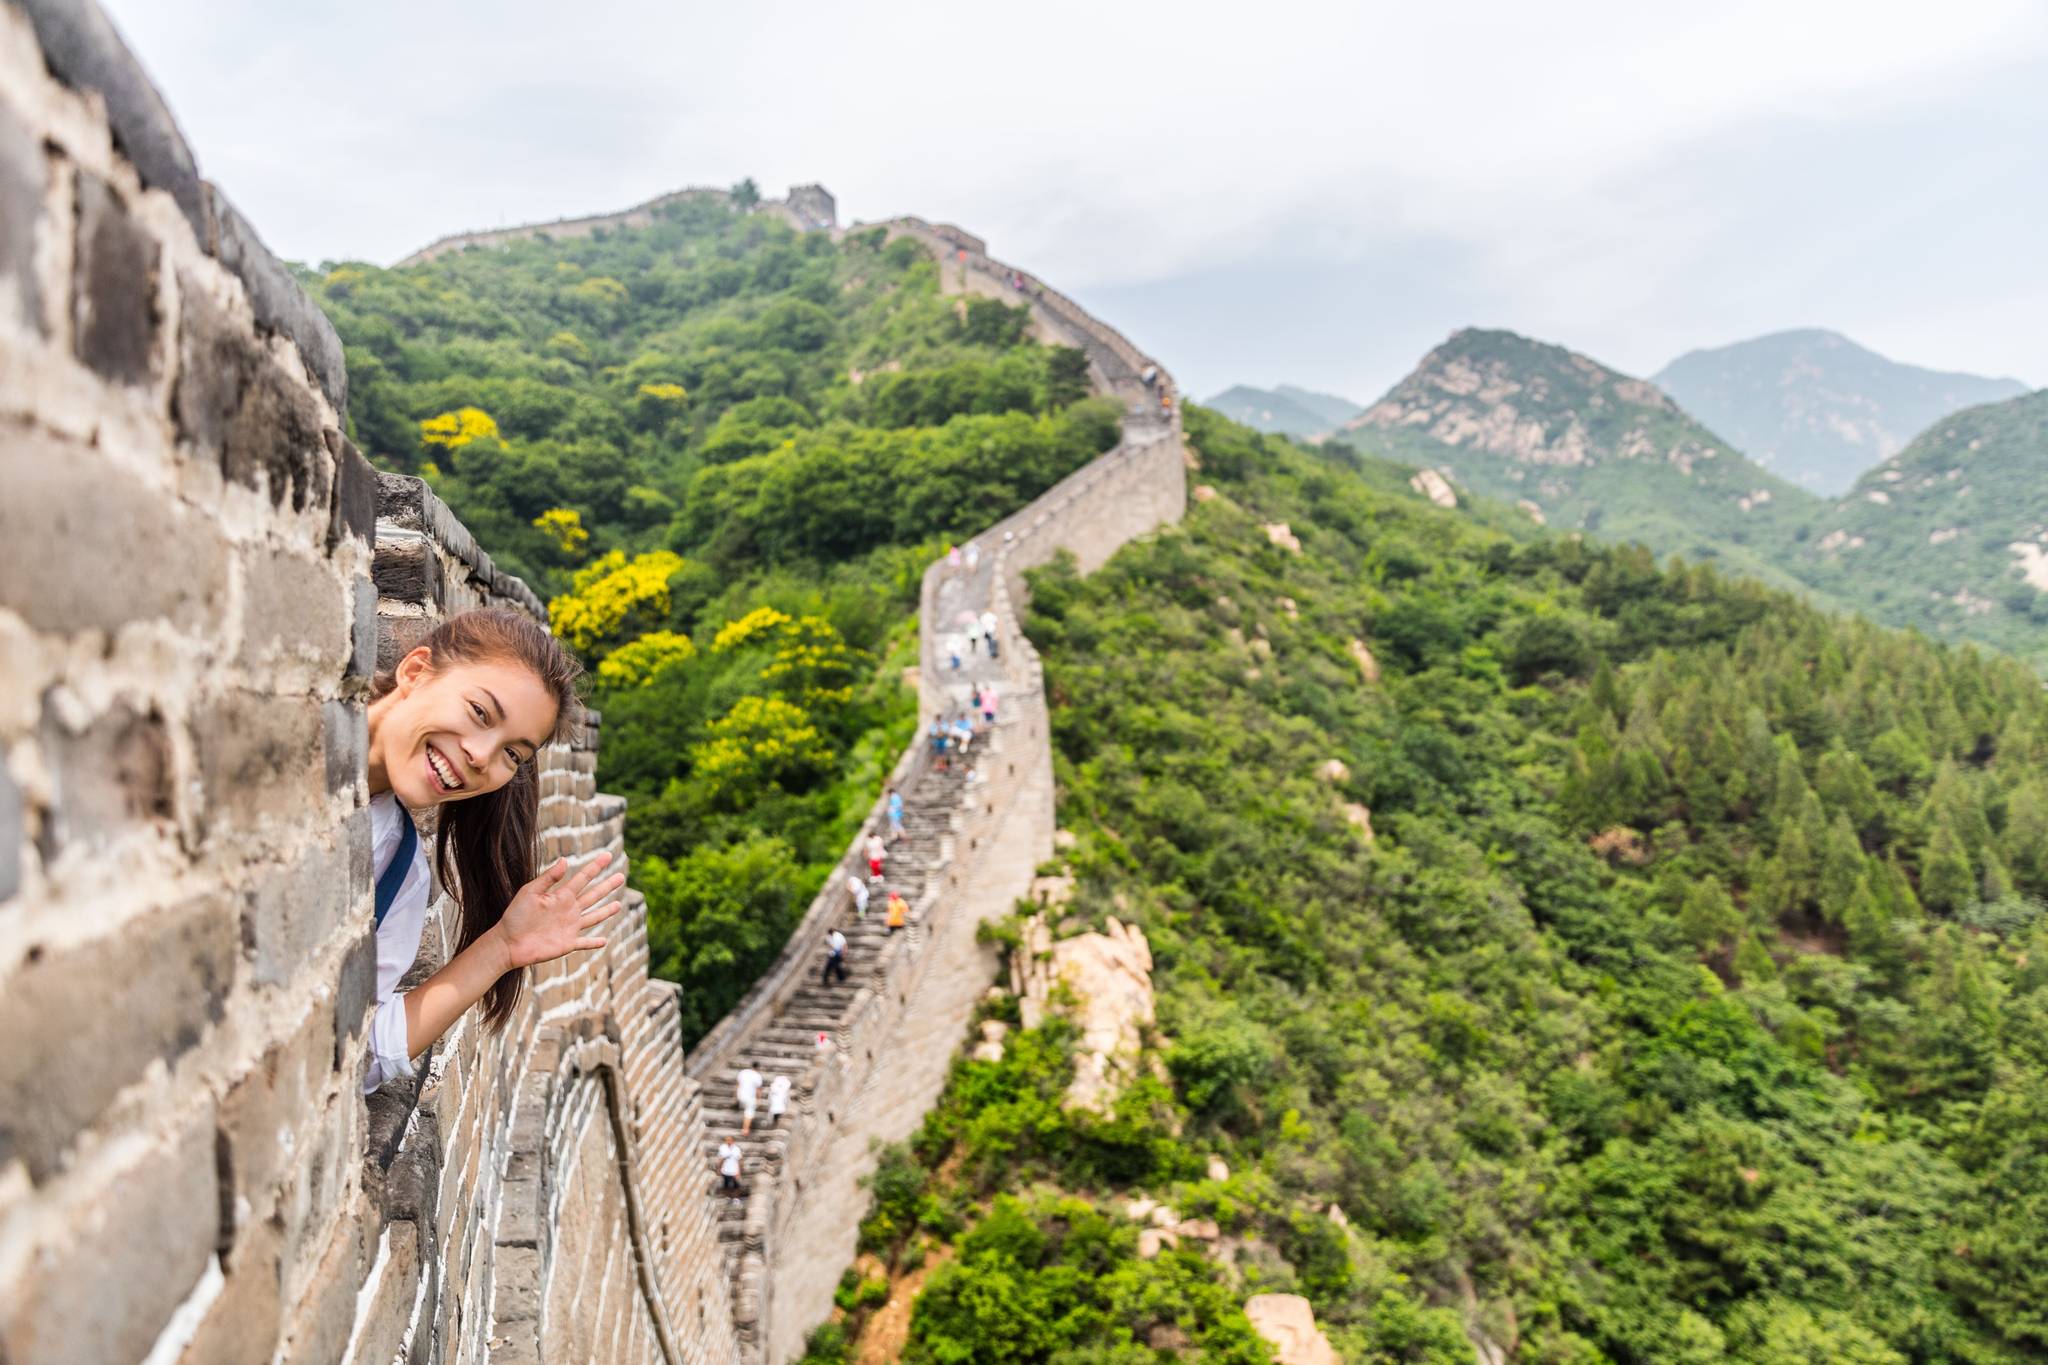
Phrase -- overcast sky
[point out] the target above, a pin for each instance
(1255, 193)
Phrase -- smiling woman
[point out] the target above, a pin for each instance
(457, 724)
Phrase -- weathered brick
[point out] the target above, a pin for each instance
(406, 569)
(114, 286)
(354, 990)
(275, 437)
(24, 174)
(294, 607)
(260, 758)
(324, 1314)
(135, 1248)
(347, 741)
(295, 909)
(64, 500)
(170, 969)
(215, 359)
(113, 774)
(381, 1324)
(245, 1322)
(11, 836)
(362, 655)
(353, 513)
(260, 1118)
(82, 49)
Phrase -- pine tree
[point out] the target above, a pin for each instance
(1709, 919)
(1753, 961)
(1948, 884)
(1842, 867)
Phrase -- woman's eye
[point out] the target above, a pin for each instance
(476, 711)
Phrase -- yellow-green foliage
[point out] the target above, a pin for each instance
(635, 664)
(611, 595)
(564, 527)
(760, 740)
(453, 430)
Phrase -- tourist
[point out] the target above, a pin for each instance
(858, 889)
(986, 698)
(895, 806)
(729, 1166)
(973, 556)
(458, 724)
(748, 1085)
(899, 911)
(877, 851)
(835, 957)
(973, 635)
(988, 632)
(941, 732)
(953, 558)
(953, 651)
(963, 733)
(778, 1100)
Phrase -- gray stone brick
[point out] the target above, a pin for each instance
(323, 1316)
(260, 759)
(362, 655)
(135, 1250)
(355, 989)
(234, 402)
(24, 175)
(294, 607)
(64, 500)
(12, 834)
(170, 971)
(82, 49)
(346, 726)
(407, 569)
(294, 910)
(112, 775)
(354, 512)
(260, 1119)
(215, 358)
(113, 287)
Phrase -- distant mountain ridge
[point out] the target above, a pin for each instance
(1579, 446)
(1285, 409)
(1814, 407)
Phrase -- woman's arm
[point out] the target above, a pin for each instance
(551, 917)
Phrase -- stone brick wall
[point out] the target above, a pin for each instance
(198, 577)
(809, 208)
(890, 1053)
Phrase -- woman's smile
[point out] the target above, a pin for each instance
(445, 774)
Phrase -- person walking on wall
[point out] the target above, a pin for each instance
(895, 816)
(835, 957)
(877, 851)
(778, 1100)
(973, 636)
(749, 1087)
(729, 1167)
(858, 889)
(973, 556)
(457, 726)
(899, 911)
(988, 632)
(987, 699)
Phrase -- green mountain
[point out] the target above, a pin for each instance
(1286, 410)
(1581, 447)
(1951, 534)
(1633, 964)
(1815, 408)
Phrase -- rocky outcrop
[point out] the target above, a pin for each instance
(1109, 978)
(1288, 1324)
(1435, 487)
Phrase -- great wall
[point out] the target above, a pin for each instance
(198, 576)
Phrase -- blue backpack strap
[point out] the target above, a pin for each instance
(400, 864)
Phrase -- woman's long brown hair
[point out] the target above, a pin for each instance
(487, 847)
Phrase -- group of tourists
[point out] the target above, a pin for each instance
(978, 633)
(748, 1085)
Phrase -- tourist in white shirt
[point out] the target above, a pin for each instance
(778, 1100)
(749, 1087)
(729, 1166)
(457, 726)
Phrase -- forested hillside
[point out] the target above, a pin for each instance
(726, 451)
(1687, 1001)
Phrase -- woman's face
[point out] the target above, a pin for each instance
(459, 732)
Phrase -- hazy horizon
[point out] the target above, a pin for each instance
(1314, 196)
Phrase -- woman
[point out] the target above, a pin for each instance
(457, 725)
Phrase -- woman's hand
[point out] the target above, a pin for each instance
(554, 913)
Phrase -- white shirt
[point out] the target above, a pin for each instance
(860, 893)
(398, 942)
(749, 1086)
(728, 1158)
(778, 1094)
(836, 941)
(988, 623)
(876, 848)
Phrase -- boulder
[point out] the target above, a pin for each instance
(1435, 487)
(1217, 1169)
(1289, 1326)
(1334, 770)
(1109, 976)
(1368, 667)
(1204, 493)
(1279, 533)
(1360, 816)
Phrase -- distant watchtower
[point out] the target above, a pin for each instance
(813, 207)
